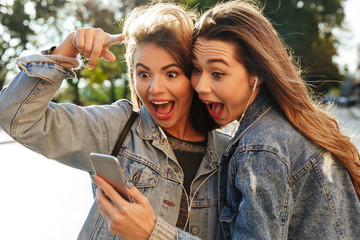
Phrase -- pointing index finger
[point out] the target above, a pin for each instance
(114, 39)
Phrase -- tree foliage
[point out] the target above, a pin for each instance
(305, 25)
(17, 28)
(107, 82)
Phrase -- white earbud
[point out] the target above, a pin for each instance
(248, 103)
(255, 84)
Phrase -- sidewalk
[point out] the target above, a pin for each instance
(52, 199)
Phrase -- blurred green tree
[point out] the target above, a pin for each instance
(38, 24)
(306, 26)
(17, 22)
(107, 82)
(96, 14)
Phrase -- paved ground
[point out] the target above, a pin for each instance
(42, 200)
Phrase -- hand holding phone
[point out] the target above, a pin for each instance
(108, 168)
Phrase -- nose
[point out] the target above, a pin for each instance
(157, 85)
(201, 84)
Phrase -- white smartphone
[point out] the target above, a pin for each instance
(109, 169)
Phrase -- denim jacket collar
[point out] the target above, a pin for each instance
(261, 105)
(148, 129)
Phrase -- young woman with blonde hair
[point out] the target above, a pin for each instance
(170, 154)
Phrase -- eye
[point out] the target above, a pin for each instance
(143, 75)
(172, 74)
(217, 75)
(196, 70)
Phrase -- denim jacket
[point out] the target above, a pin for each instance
(276, 184)
(68, 134)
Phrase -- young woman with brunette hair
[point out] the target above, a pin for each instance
(289, 172)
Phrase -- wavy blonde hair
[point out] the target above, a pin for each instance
(167, 25)
(170, 26)
(263, 53)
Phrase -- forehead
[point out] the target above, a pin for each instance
(152, 52)
(208, 49)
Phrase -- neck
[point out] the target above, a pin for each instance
(187, 133)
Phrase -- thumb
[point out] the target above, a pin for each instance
(134, 193)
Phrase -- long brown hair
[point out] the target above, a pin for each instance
(170, 26)
(263, 53)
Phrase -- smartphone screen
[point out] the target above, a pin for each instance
(109, 169)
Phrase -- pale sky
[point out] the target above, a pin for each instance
(350, 40)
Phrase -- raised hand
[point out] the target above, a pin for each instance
(128, 220)
(92, 42)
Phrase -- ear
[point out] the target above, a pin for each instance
(255, 81)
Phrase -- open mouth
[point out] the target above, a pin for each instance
(163, 109)
(215, 108)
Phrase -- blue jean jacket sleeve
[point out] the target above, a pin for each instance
(28, 115)
(63, 132)
(261, 178)
(164, 231)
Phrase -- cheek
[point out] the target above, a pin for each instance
(237, 100)
(185, 86)
(233, 92)
(185, 91)
(140, 90)
(194, 80)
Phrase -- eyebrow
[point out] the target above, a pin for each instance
(218, 60)
(213, 60)
(141, 65)
(171, 65)
(163, 68)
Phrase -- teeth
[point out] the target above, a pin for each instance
(210, 104)
(159, 103)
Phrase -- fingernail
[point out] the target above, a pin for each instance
(129, 185)
(90, 66)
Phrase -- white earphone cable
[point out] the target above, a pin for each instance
(191, 199)
(248, 103)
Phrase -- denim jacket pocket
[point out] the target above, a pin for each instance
(142, 173)
(142, 176)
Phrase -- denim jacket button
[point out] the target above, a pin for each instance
(195, 230)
